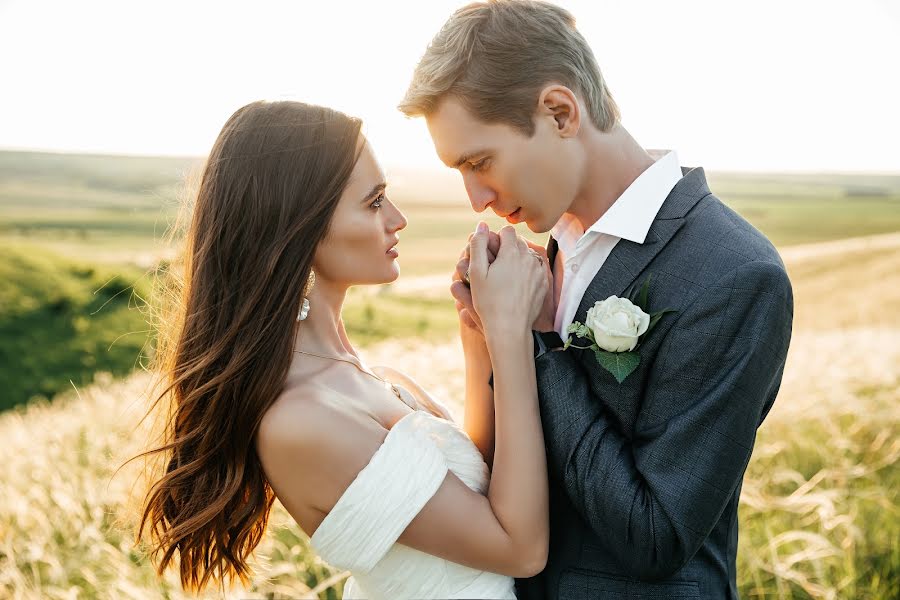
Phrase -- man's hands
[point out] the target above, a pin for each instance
(547, 315)
(462, 294)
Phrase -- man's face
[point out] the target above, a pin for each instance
(532, 180)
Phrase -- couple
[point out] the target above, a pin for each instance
(608, 467)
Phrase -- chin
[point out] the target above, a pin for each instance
(381, 276)
(538, 226)
(393, 274)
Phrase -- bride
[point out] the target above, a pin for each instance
(270, 399)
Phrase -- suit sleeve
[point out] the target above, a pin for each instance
(655, 498)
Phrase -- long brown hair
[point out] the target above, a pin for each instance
(267, 194)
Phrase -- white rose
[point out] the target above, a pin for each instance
(617, 323)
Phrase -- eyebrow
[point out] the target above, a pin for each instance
(469, 156)
(379, 187)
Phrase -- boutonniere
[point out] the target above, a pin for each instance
(615, 328)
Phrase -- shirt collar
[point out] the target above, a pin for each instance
(633, 212)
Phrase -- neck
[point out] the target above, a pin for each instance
(614, 161)
(322, 332)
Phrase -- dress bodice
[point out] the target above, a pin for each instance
(360, 533)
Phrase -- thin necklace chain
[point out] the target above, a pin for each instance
(387, 383)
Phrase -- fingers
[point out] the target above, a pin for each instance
(548, 268)
(463, 301)
(478, 252)
(521, 244)
(508, 240)
(461, 293)
(464, 255)
(512, 241)
(537, 248)
(470, 319)
(459, 274)
(493, 246)
(464, 305)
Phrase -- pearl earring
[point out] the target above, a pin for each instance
(304, 307)
(304, 310)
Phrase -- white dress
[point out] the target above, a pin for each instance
(360, 533)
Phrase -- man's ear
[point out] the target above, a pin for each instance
(560, 103)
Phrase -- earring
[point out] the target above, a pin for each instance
(304, 310)
(304, 307)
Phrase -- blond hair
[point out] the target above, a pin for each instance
(496, 56)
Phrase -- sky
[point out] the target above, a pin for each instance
(763, 86)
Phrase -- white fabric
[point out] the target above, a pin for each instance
(582, 253)
(360, 533)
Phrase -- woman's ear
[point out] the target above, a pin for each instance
(560, 103)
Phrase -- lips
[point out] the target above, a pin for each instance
(392, 250)
(515, 216)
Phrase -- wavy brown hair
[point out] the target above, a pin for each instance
(268, 191)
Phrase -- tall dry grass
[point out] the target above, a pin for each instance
(819, 517)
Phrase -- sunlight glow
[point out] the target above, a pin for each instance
(765, 86)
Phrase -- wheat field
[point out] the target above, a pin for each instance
(819, 516)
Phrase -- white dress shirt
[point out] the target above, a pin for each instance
(582, 253)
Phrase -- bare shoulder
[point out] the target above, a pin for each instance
(311, 448)
(299, 418)
(313, 424)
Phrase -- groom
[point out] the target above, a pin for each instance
(645, 469)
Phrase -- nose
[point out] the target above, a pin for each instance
(480, 195)
(397, 221)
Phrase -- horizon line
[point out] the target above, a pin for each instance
(436, 169)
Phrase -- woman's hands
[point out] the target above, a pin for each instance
(508, 294)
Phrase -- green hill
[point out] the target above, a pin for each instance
(61, 321)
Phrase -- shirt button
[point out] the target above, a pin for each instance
(574, 267)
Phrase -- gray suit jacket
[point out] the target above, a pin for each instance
(645, 476)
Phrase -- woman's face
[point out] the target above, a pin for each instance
(361, 245)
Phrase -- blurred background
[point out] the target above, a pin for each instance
(108, 108)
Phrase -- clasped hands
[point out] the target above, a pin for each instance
(510, 283)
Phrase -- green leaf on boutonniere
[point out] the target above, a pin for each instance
(631, 293)
(645, 291)
(620, 364)
(655, 317)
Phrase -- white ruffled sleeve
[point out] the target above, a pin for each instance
(403, 474)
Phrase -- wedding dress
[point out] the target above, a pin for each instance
(360, 533)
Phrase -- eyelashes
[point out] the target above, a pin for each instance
(481, 165)
(379, 200)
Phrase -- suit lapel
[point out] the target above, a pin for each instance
(624, 264)
(628, 259)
